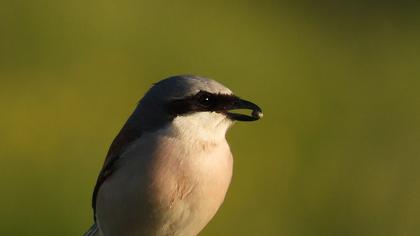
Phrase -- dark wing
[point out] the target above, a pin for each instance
(126, 136)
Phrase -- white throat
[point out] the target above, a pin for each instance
(203, 126)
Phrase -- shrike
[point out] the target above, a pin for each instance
(169, 168)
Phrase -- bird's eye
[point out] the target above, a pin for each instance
(205, 99)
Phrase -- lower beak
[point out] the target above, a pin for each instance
(240, 104)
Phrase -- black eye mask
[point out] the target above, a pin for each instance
(221, 103)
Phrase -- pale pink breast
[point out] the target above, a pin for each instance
(190, 183)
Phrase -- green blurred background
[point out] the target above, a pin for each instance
(337, 152)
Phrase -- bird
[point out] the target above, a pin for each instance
(169, 168)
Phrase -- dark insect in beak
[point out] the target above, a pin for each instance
(240, 104)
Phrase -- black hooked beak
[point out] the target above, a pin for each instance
(243, 104)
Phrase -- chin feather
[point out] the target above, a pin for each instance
(208, 126)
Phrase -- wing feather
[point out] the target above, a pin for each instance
(127, 135)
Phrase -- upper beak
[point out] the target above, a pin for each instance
(244, 104)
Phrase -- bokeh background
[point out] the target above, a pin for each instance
(337, 153)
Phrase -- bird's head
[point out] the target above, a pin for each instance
(193, 104)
